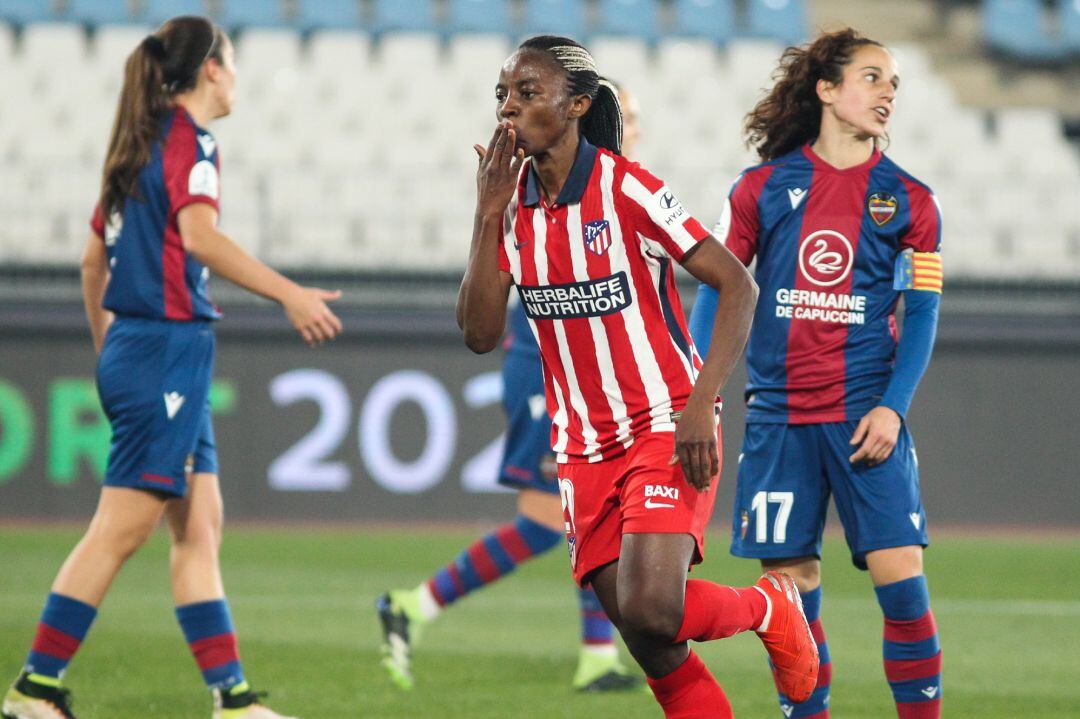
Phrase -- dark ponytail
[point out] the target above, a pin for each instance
(164, 64)
(790, 115)
(602, 124)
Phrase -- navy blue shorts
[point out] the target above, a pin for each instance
(528, 462)
(787, 473)
(153, 377)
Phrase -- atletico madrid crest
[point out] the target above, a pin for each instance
(597, 236)
(882, 207)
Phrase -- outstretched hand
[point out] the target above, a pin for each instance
(876, 433)
(497, 174)
(309, 314)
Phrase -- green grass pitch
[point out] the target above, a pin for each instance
(1008, 610)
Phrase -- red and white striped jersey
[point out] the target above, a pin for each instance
(595, 276)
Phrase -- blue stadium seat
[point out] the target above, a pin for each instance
(21, 12)
(555, 17)
(158, 11)
(639, 18)
(99, 12)
(1016, 27)
(328, 14)
(404, 15)
(252, 13)
(711, 19)
(486, 16)
(1069, 19)
(783, 20)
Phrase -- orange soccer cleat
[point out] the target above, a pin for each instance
(787, 638)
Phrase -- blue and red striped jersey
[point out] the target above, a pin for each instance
(151, 275)
(834, 248)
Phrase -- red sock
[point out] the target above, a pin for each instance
(691, 692)
(714, 611)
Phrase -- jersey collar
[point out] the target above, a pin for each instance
(574, 188)
(820, 164)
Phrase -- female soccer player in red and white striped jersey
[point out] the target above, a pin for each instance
(589, 238)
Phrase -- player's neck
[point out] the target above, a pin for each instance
(553, 167)
(198, 105)
(843, 150)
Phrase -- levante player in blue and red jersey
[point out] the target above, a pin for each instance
(145, 267)
(840, 234)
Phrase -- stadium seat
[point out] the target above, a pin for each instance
(404, 15)
(113, 43)
(158, 11)
(624, 59)
(783, 20)
(322, 14)
(24, 12)
(1069, 18)
(479, 16)
(1015, 27)
(712, 19)
(639, 18)
(556, 17)
(239, 14)
(99, 12)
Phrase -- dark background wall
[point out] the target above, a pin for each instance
(398, 421)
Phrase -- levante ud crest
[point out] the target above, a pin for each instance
(882, 207)
(597, 236)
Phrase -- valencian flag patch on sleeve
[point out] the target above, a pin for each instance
(918, 271)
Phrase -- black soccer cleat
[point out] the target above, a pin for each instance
(27, 699)
(396, 648)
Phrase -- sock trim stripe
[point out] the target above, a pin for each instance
(515, 545)
(68, 615)
(433, 587)
(483, 564)
(824, 675)
(910, 631)
(905, 670)
(54, 642)
(917, 691)
(504, 563)
(907, 651)
(213, 652)
(818, 632)
(537, 537)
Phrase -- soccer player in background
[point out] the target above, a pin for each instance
(840, 234)
(589, 238)
(144, 278)
(528, 465)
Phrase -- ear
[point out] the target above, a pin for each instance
(212, 69)
(579, 105)
(825, 91)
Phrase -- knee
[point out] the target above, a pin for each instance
(650, 615)
(806, 572)
(202, 536)
(120, 541)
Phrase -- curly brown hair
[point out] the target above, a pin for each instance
(790, 115)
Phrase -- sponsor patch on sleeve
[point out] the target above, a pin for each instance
(918, 271)
(203, 179)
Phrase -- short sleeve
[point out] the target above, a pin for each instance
(97, 221)
(191, 168)
(673, 228)
(738, 225)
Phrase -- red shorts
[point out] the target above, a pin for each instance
(639, 492)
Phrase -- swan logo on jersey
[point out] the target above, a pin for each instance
(825, 258)
(882, 207)
(591, 298)
(597, 236)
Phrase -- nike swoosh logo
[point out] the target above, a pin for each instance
(650, 504)
(518, 247)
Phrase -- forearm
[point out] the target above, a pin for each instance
(913, 352)
(702, 317)
(94, 282)
(227, 259)
(481, 304)
(734, 312)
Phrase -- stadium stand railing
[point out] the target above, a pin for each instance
(352, 150)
